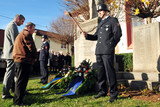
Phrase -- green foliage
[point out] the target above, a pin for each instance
(125, 62)
(88, 84)
(84, 70)
(64, 83)
(72, 64)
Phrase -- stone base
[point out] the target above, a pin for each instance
(140, 80)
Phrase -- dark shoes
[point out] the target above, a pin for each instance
(27, 93)
(22, 104)
(100, 95)
(103, 95)
(8, 97)
(112, 100)
(42, 82)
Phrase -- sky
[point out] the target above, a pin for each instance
(40, 12)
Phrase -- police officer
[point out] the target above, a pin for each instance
(43, 58)
(108, 34)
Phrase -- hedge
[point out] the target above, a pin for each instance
(125, 62)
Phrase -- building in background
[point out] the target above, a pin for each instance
(55, 44)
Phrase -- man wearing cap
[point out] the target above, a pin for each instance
(108, 34)
(43, 58)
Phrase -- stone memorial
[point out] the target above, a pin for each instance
(146, 61)
(85, 49)
(146, 47)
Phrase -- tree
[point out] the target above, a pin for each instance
(144, 8)
(65, 28)
(116, 8)
(78, 9)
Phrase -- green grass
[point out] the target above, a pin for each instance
(38, 98)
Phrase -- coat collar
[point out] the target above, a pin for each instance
(103, 21)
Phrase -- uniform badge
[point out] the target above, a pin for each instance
(107, 27)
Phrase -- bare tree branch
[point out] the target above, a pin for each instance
(65, 27)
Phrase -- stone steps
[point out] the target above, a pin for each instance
(154, 76)
(139, 80)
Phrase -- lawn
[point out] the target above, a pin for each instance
(38, 98)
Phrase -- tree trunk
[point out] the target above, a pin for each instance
(149, 20)
(67, 46)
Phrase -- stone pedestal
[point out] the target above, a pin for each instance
(146, 62)
(146, 47)
(85, 49)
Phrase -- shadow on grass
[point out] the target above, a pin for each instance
(90, 94)
(39, 97)
(79, 96)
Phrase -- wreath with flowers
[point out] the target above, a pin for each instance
(84, 71)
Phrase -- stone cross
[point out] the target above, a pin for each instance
(93, 7)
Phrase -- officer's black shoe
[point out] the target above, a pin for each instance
(40, 82)
(22, 104)
(112, 100)
(44, 83)
(99, 95)
(8, 97)
(27, 93)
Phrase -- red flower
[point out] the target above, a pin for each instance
(86, 71)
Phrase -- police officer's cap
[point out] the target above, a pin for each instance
(45, 36)
(102, 7)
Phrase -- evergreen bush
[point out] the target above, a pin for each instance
(125, 62)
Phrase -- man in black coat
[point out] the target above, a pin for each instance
(107, 35)
(43, 58)
(60, 60)
(68, 59)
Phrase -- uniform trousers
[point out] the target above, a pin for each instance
(106, 72)
(44, 71)
(8, 77)
(22, 72)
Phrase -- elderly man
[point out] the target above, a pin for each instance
(24, 55)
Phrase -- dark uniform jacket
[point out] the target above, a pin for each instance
(68, 60)
(108, 35)
(44, 53)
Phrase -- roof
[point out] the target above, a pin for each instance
(51, 35)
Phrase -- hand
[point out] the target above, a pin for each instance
(85, 34)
